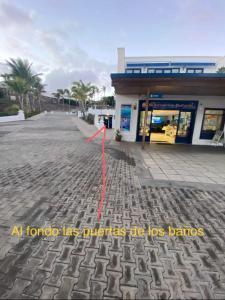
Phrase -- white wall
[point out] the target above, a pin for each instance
(127, 136)
(122, 61)
(203, 102)
(218, 60)
(97, 112)
(19, 117)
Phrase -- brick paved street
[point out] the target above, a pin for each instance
(49, 177)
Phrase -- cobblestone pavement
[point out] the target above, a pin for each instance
(49, 177)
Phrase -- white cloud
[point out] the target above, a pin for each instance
(11, 16)
(54, 51)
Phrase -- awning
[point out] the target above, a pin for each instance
(206, 84)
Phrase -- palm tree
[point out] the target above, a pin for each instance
(39, 88)
(19, 87)
(60, 94)
(83, 92)
(221, 70)
(21, 81)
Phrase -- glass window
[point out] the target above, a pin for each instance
(136, 70)
(175, 70)
(167, 71)
(194, 70)
(150, 70)
(129, 71)
(213, 121)
(198, 70)
(184, 124)
(158, 70)
(190, 70)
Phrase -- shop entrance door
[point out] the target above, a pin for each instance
(164, 125)
(185, 127)
(141, 126)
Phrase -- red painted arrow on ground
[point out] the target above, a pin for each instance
(103, 129)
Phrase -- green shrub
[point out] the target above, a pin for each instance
(12, 110)
(4, 114)
(90, 119)
(31, 114)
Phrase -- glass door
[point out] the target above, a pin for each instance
(185, 127)
(141, 126)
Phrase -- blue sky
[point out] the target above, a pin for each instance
(68, 40)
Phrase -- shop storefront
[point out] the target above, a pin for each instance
(167, 121)
(185, 98)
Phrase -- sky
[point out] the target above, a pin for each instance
(69, 40)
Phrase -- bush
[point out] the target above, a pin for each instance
(4, 114)
(2, 94)
(90, 119)
(12, 110)
(31, 114)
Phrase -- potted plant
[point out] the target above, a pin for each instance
(118, 136)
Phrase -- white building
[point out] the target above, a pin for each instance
(105, 116)
(185, 98)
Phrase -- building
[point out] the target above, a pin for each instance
(184, 98)
(103, 116)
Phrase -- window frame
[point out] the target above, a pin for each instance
(163, 70)
(210, 135)
(132, 70)
(194, 70)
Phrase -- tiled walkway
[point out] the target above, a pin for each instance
(186, 163)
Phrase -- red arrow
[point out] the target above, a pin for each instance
(103, 129)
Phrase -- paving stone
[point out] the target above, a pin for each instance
(89, 258)
(128, 292)
(97, 289)
(65, 288)
(80, 295)
(41, 250)
(174, 286)
(48, 292)
(100, 270)
(18, 288)
(141, 265)
(56, 275)
(65, 254)
(113, 287)
(114, 263)
(128, 274)
(28, 271)
(73, 267)
(49, 261)
(83, 283)
(128, 253)
(34, 288)
(143, 287)
(158, 280)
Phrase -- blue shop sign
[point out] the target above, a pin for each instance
(171, 104)
(156, 95)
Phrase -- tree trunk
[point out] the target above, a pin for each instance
(39, 101)
(28, 103)
(33, 102)
(20, 97)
